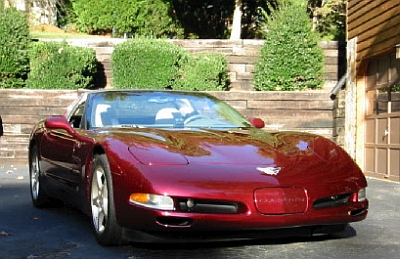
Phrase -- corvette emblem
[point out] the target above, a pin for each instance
(270, 170)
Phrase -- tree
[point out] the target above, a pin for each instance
(94, 16)
(248, 13)
(136, 17)
(329, 18)
(237, 21)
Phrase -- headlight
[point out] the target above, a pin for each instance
(154, 201)
(362, 195)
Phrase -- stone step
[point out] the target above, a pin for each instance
(14, 139)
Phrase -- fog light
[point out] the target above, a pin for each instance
(154, 201)
(190, 203)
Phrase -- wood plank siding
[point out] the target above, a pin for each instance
(376, 24)
(373, 32)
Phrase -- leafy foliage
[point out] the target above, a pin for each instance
(290, 57)
(168, 18)
(14, 42)
(60, 66)
(152, 19)
(211, 19)
(146, 63)
(65, 14)
(329, 18)
(95, 15)
(159, 64)
(136, 17)
(204, 72)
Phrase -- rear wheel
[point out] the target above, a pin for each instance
(104, 222)
(39, 199)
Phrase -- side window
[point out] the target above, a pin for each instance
(76, 116)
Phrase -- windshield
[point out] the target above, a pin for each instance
(162, 110)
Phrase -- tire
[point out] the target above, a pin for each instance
(104, 222)
(39, 198)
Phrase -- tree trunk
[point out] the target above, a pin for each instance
(237, 21)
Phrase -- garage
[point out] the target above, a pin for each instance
(382, 118)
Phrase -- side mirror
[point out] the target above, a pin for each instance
(257, 122)
(59, 122)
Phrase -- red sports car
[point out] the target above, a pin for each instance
(151, 165)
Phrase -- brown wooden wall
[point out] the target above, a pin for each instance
(376, 25)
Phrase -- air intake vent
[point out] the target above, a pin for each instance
(208, 206)
(332, 201)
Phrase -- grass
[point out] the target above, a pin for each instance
(47, 31)
(61, 35)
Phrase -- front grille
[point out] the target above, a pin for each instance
(332, 201)
(208, 206)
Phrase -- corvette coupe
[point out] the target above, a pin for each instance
(155, 165)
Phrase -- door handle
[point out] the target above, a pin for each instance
(386, 133)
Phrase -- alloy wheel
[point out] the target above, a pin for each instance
(99, 200)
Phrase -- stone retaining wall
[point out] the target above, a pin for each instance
(302, 111)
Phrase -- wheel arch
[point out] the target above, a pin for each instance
(33, 142)
(97, 150)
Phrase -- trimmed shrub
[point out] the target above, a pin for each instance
(14, 43)
(57, 65)
(204, 72)
(290, 57)
(146, 64)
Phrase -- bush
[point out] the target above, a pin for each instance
(290, 57)
(158, 64)
(204, 72)
(14, 43)
(146, 63)
(60, 66)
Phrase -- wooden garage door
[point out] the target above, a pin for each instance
(382, 142)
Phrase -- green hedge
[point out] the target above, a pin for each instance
(145, 64)
(55, 65)
(14, 42)
(159, 64)
(204, 72)
(290, 58)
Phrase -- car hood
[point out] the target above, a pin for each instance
(233, 146)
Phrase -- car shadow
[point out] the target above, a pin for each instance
(79, 220)
(285, 238)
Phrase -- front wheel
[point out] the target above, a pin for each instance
(39, 199)
(104, 222)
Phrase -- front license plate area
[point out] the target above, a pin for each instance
(278, 201)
